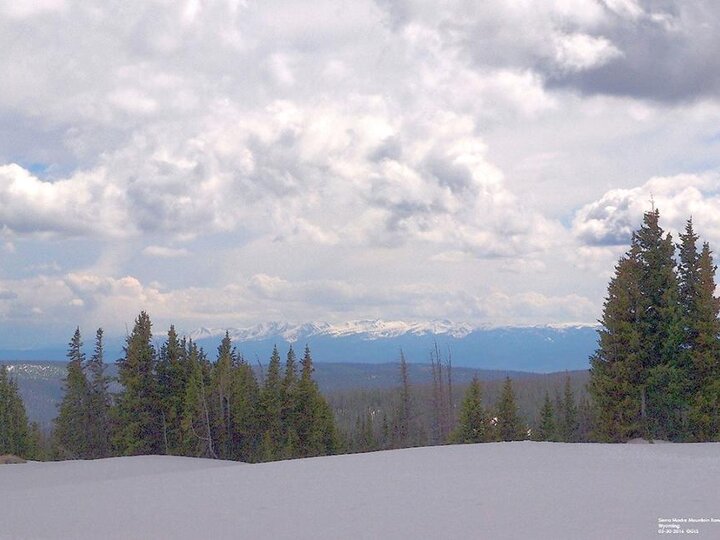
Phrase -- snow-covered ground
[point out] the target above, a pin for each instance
(499, 490)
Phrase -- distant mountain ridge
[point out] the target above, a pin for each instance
(368, 328)
(522, 348)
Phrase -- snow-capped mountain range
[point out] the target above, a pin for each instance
(537, 348)
(369, 329)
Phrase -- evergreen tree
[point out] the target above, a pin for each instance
(688, 275)
(271, 403)
(98, 406)
(568, 428)
(473, 423)
(288, 414)
(662, 331)
(508, 426)
(221, 394)
(290, 378)
(173, 373)
(196, 423)
(139, 408)
(616, 372)
(14, 431)
(315, 424)
(72, 425)
(246, 418)
(704, 343)
(547, 429)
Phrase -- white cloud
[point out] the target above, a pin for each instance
(114, 302)
(611, 219)
(576, 52)
(80, 205)
(182, 133)
(393, 159)
(313, 166)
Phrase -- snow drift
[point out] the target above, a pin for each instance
(498, 490)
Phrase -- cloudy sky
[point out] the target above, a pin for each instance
(230, 162)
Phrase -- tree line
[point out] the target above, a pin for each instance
(175, 401)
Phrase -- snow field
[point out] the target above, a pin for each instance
(494, 491)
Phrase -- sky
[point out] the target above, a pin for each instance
(226, 163)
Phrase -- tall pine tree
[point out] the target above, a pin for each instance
(245, 413)
(221, 398)
(271, 403)
(704, 368)
(289, 412)
(98, 405)
(662, 331)
(616, 372)
(315, 424)
(139, 408)
(173, 373)
(196, 424)
(72, 426)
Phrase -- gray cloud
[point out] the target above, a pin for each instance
(647, 49)
(668, 54)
